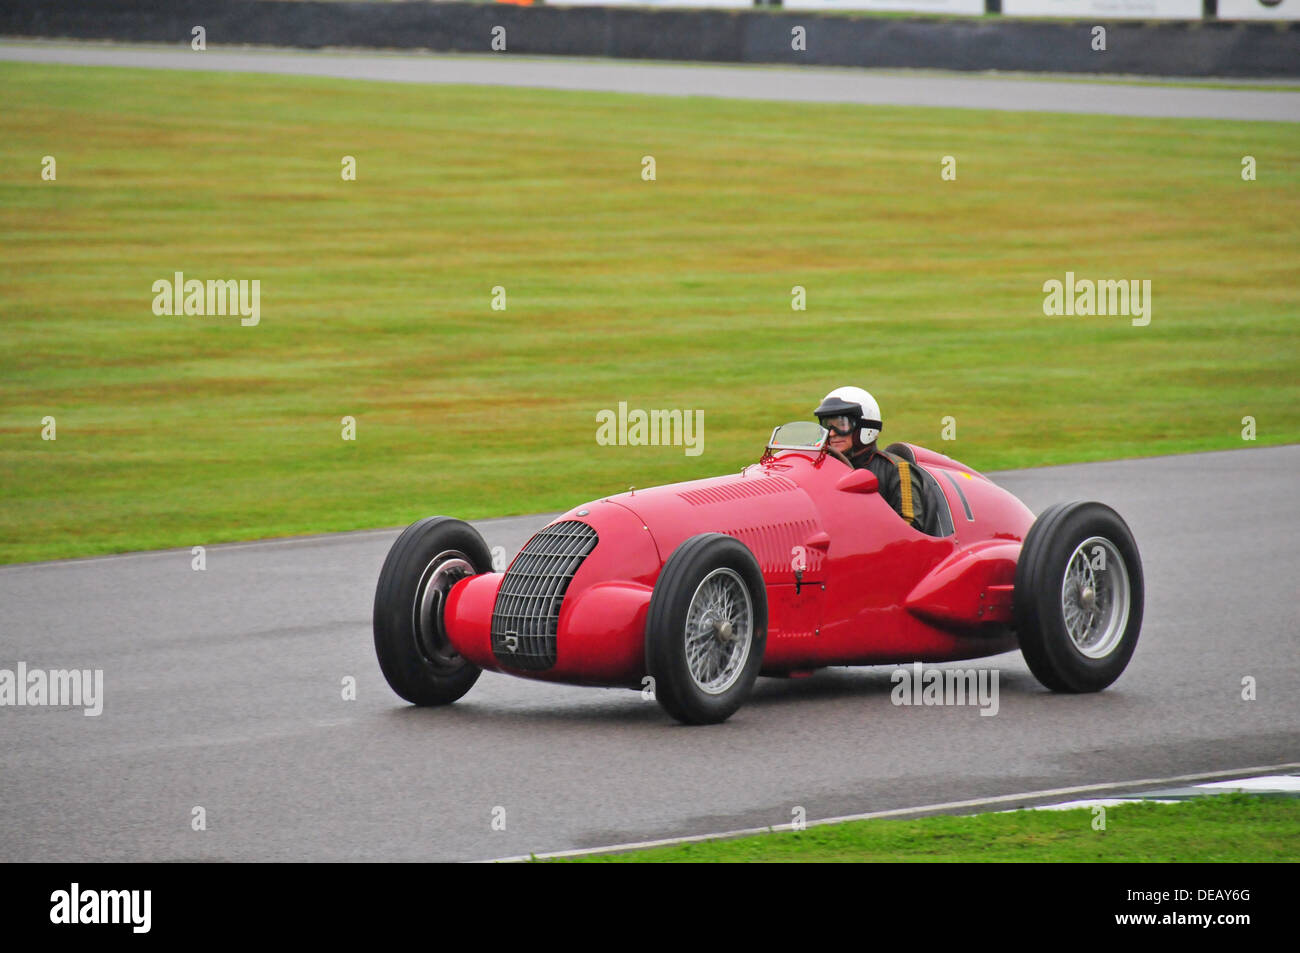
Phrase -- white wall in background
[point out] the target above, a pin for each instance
(1106, 9)
(1259, 9)
(964, 7)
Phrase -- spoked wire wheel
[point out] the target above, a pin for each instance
(706, 629)
(1078, 597)
(719, 631)
(1095, 597)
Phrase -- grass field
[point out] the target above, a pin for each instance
(676, 293)
(1225, 828)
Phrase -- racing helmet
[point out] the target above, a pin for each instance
(859, 410)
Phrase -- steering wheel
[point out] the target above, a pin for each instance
(839, 456)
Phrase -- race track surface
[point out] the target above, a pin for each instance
(808, 84)
(223, 691)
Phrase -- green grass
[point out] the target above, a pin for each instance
(174, 431)
(1223, 828)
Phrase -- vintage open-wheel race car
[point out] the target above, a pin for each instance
(794, 564)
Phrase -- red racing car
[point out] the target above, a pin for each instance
(793, 564)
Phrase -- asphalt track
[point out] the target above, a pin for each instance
(809, 84)
(223, 690)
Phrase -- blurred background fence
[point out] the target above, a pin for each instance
(1244, 38)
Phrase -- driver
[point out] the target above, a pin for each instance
(853, 418)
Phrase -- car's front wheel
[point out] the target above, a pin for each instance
(706, 629)
(416, 657)
(1078, 597)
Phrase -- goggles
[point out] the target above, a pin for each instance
(841, 426)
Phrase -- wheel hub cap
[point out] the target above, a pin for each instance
(444, 571)
(719, 631)
(1095, 597)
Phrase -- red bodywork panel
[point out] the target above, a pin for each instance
(872, 590)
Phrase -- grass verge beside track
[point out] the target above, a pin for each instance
(1223, 828)
(676, 293)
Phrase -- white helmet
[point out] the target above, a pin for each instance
(853, 402)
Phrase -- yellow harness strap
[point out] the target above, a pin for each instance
(905, 488)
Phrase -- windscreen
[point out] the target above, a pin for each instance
(799, 435)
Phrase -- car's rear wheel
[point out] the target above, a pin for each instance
(1078, 597)
(706, 629)
(415, 654)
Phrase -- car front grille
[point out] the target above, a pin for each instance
(527, 609)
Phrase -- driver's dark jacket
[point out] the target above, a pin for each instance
(885, 467)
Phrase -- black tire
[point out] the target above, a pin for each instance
(1043, 598)
(725, 559)
(414, 654)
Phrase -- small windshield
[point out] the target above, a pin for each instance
(800, 435)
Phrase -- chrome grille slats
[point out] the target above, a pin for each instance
(527, 611)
